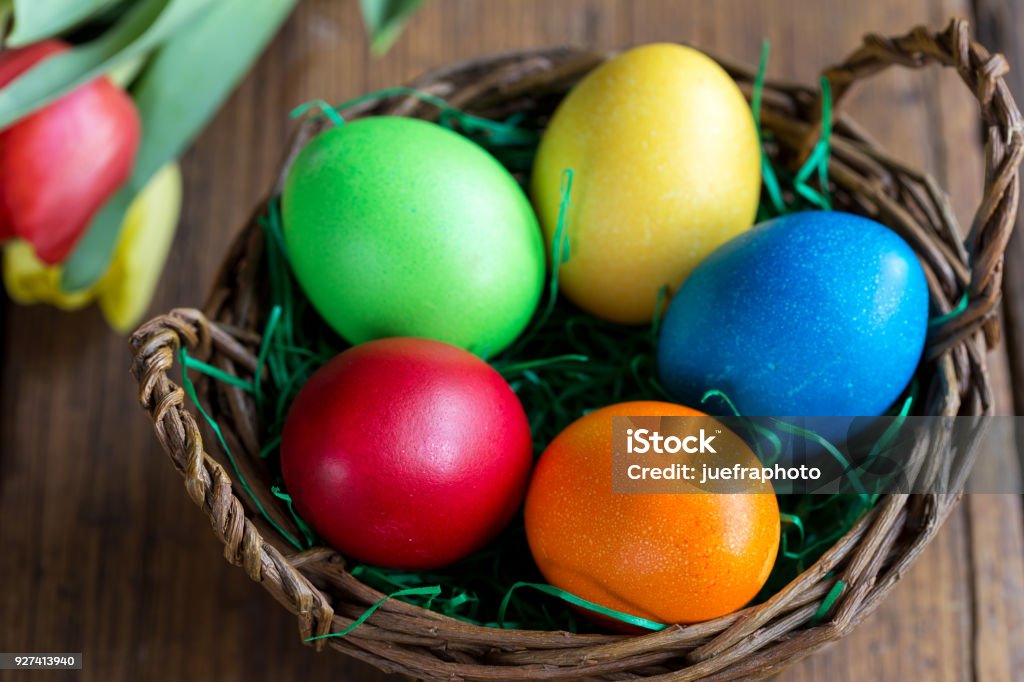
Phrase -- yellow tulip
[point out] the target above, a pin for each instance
(142, 249)
(29, 280)
(126, 289)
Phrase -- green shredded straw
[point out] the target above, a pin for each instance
(553, 591)
(563, 366)
(409, 592)
(828, 602)
(769, 179)
(190, 390)
(511, 141)
(942, 319)
(809, 188)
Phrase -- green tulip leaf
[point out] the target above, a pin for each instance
(6, 12)
(385, 20)
(181, 87)
(94, 251)
(142, 27)
(36, 20)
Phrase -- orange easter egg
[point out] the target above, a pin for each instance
(670, 558)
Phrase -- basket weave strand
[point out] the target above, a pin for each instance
(751, 644)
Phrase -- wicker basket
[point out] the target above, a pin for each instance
(750, 644)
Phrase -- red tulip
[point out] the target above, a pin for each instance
(60, 164)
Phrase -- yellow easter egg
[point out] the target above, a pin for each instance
(666, 167)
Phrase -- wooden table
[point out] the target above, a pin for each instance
(102, 552)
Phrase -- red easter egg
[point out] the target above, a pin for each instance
(406, 453)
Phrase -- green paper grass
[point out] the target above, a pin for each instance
(565, 365)
(828, 602)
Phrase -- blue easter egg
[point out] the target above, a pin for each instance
(819, 313)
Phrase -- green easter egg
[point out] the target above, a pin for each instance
(399, 227)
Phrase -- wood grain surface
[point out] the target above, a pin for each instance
(102, 552)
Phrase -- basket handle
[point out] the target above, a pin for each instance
(155, 346)
(994, 219)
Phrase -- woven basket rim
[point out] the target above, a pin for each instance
(751, 643)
